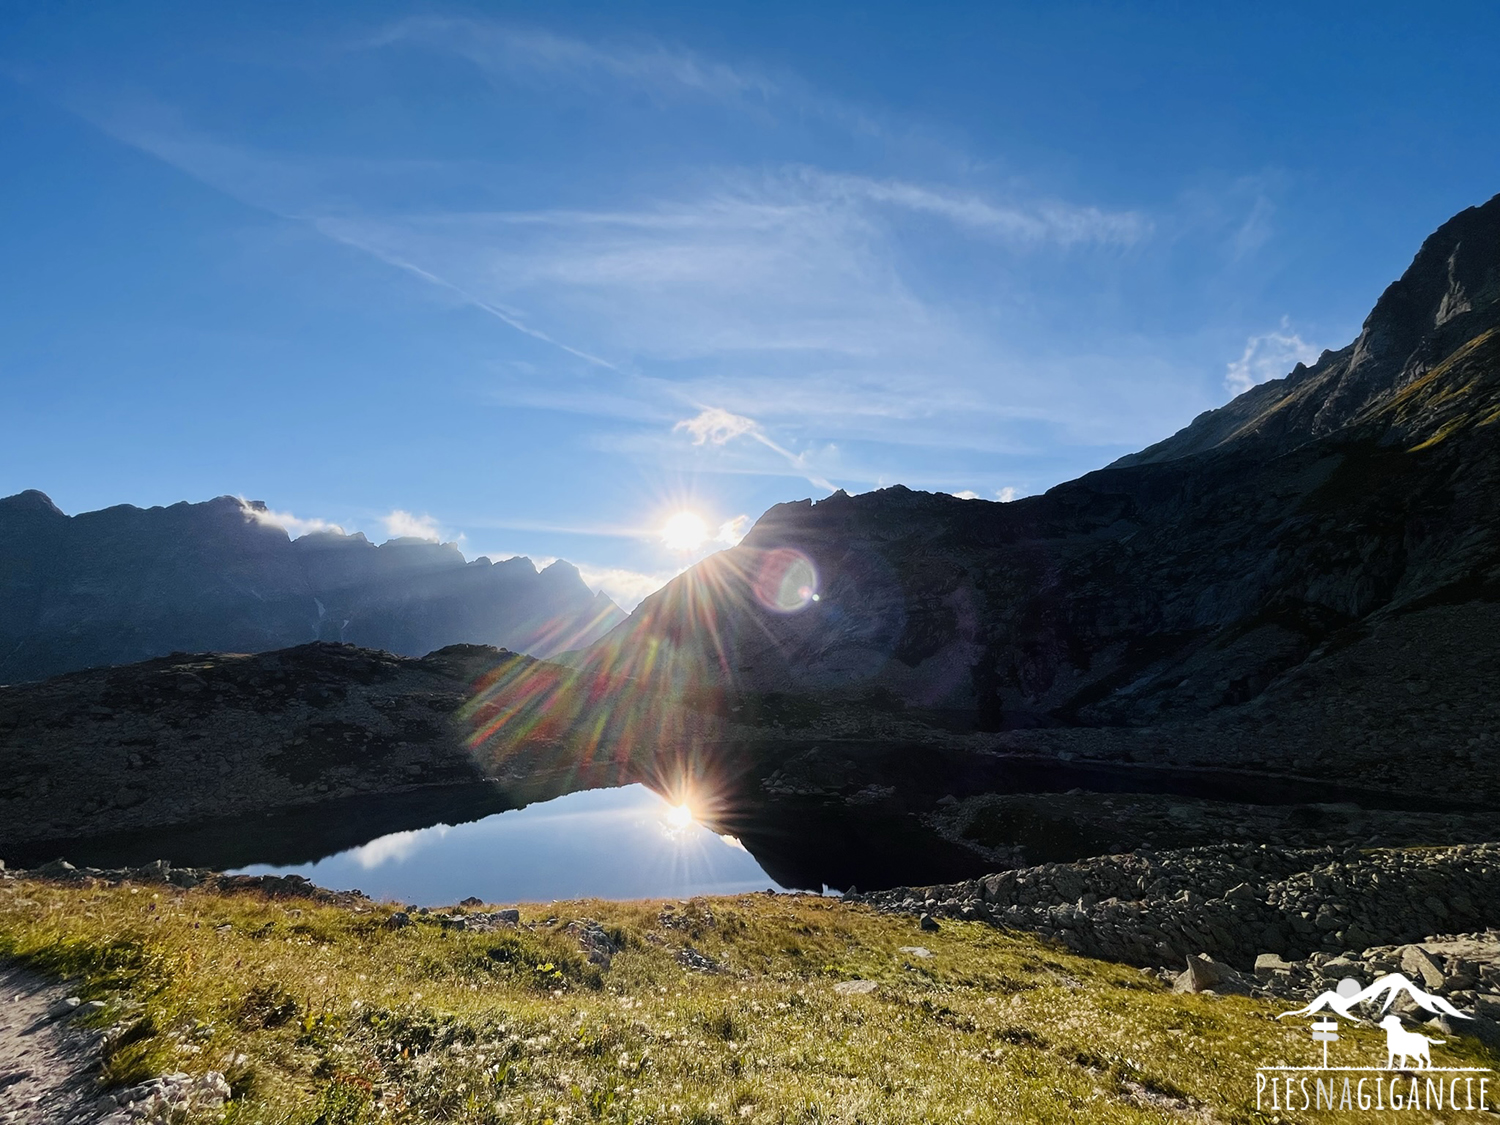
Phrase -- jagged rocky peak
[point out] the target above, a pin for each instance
(1448, 297)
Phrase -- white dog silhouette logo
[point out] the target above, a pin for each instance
(1409, 1046)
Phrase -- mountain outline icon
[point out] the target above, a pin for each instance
(1390, 986)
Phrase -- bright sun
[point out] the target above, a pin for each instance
(679, 817)
(685, 531)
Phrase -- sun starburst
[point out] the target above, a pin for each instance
(684, 531)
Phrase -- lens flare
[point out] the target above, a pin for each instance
(684, 531)
(787, 581)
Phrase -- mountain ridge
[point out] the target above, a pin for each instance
(1443, 299)
(126, 583)
(1213, 600)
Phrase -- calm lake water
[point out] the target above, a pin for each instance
(440, 844)
(601, 843)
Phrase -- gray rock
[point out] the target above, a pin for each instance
(1420, 966)
(690, 958)
(1267, 965)
(1202, 974)
(597, 944)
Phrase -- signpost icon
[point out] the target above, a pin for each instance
(1328, 1032)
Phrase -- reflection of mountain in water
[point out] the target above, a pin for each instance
(800, 840)
(798, 844)
(621, 842)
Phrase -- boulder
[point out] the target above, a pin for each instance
(1267, 965)
(1421, 967)
(597, 945)
(1202, 974)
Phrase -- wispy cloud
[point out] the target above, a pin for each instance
(732, 531)
(1269, 355)
(718, 426)
(516, 52)
(803, 296)
(292, 525)
(401, 524)
(510, 54)
(1034, 222)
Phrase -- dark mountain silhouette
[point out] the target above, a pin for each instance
(1300, 590)
(126, 584)
(1306, 579)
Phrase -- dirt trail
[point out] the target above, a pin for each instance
(47, 1064)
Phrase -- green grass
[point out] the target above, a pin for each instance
(329, 1015)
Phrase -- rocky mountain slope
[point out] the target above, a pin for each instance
(127, 584)
(1304, 581)
(1444, 301)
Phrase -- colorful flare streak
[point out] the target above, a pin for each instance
(646, 702)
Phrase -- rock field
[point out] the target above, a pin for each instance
(1269, 920)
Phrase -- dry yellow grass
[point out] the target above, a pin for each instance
(330, 1015)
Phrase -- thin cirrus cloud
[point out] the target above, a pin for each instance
(510, 54)
(1055, 222)
(786, 287)
(517, 52)
(779, 292)
(802, 295)
(718, 426)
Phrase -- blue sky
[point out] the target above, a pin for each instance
(537, 277)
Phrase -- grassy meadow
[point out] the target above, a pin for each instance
(332, 1015)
